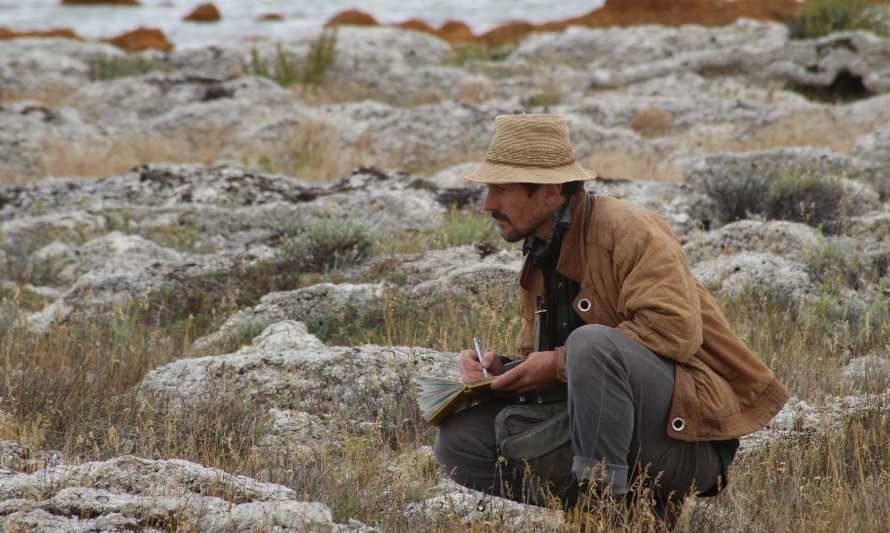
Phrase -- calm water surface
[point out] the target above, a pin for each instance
(301, 17)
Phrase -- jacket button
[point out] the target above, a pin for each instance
(584, 305)
(678, 424)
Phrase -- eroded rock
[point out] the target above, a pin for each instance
(133, 493)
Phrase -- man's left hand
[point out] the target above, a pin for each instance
(537, 372)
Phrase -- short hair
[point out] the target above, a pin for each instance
(569, 188)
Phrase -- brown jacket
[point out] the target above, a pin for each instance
(632, 269)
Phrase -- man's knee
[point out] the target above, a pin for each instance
(590, 341)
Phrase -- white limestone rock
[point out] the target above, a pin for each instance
(30, 129)
(287, 368)
(760, 273)
(133, 493)
(314, 305)
(791, 240)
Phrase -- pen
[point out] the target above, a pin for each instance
(479, 356)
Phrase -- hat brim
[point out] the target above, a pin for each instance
(498, 173)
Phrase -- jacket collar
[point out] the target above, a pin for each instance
(571, 261)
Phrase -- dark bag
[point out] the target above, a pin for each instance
(535, 440)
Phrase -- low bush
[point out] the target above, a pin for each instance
(738, 199)
(814, 199)
(840, 263)
(459, 228)
(821, 17)
(328, 244)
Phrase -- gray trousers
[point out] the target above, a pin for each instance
(619, 398)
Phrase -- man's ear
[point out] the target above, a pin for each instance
(553, 194)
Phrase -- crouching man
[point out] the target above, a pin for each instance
(629, 369)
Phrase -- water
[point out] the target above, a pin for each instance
(301, 17)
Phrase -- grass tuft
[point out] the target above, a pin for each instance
(104, 67)
(321, 55)
(818, 18)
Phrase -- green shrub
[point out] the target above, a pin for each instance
(840, 263)
(460, 227)
(104, 67)
(319, 58)
(545, 98)
(329, 244)
(815, 200)
(737, 199)
(821, 17)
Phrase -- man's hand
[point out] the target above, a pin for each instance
(534, 374)
(471, 368)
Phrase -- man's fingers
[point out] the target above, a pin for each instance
(508, 380)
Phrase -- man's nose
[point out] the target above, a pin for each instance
(489, 204)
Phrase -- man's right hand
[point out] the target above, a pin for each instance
(471, 368)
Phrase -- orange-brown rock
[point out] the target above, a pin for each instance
(456, 33)
(6, 33)
(204, 13)
(613, 13)
(677, 12)
(266, 17)
(507, 33)
(416, 25)
(142, 39)
(352, 17)
(105, 2)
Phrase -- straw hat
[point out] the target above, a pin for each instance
(530, 149)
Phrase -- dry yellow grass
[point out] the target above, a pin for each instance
(816, 129)
(310, 150)
(120, 155)
(616, 163)
(50, 93)
(822, 483)
(652, 122)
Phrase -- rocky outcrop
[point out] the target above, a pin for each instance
(758, 274)
(130, 493)
(161, 101)
(791, 240)
(799, 418)
(315, 306)
(334, 381)
(207, 224)
(30, 130)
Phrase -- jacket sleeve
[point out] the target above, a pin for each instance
(657, 292)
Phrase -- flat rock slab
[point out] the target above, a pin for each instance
(287, 368)
(130, 493)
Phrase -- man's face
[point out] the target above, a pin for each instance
(517, 213)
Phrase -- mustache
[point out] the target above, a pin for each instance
(497, 215)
